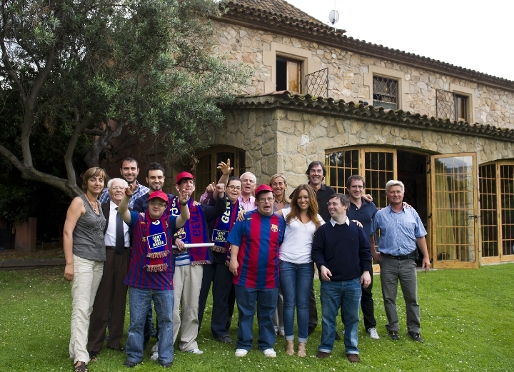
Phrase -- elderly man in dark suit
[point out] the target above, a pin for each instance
(110, 300)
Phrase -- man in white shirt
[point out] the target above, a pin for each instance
(110, 300)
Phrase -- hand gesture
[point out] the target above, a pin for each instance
(220, 188)
(183, 196)
(210, 188)
(130, 189)
(225, 168)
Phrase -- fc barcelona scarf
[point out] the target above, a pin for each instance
(193, 231)
(223, 225)
(156, 241)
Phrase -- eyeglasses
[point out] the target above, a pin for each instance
(157, 204)
(232, 187)
(116, 188)
(266, 200)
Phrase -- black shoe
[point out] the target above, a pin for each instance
(93, 355)
(224, 339)
(322, 355)
(116, 348)
(393, 335)
(338, 338)
(129, 364)
(416, 337)
(167, 365)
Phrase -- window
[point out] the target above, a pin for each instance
(497, 210)
(206, 171)
(385, 92)
(377, 167)
(289, 74)
(452, 106)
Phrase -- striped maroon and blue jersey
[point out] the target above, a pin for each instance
(258, 238)
(137, 275)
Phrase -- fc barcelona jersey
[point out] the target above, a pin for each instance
(258, 238)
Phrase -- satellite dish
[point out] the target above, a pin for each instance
(333, 17)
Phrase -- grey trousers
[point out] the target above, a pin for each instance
(392, 271)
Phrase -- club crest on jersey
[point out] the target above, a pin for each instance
(181, 234)
(274, 227)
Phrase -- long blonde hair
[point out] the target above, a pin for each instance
(312, 211)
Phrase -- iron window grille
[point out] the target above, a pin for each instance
(317, 83)
(385, 92)
(451, 106)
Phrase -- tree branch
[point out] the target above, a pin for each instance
(29, 173)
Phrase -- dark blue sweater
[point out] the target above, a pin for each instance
(343, 249)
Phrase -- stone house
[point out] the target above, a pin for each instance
(316, 94)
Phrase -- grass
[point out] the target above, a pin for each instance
(466, 318)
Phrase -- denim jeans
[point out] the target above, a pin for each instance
(335, 295)
(266, 300)
(296, 284)
(140, 300)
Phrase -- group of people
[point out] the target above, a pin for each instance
(250, 244)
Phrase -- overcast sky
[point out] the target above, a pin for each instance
(473, 35)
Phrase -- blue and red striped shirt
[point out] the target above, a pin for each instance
(258, 238)
(137, 275)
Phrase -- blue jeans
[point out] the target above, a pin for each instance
(140, 301)
(335, 295)
(266, 300)
(296, 284)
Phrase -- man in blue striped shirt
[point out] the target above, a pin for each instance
(401, 233)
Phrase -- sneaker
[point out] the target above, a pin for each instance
(270, 353)
(155, 356)
(372, 332)
(155, 347)
(416, 337)
(393, 335)
(195, 351)
(241, 352)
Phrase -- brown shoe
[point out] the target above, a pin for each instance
(353, 358)
(322, 355)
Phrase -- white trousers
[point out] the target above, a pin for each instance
(86, 279)
(187, 281)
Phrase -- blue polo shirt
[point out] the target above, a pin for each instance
(364, 215)
(398, 230)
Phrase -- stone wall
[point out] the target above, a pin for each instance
(281, 140)
(350, 73)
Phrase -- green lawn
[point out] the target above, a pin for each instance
(467, 320)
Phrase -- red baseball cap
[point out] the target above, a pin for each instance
(262, 188)
(183, 175)
(158, 194)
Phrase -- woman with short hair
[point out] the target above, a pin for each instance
(84, 252)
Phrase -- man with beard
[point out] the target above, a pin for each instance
(129, 171)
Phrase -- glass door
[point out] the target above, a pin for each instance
(454, 203)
